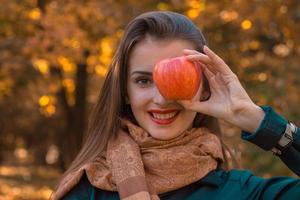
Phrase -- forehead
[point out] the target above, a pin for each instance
(149, 51)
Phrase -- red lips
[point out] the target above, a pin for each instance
(163, 120)
(163, 111)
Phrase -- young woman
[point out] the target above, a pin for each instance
(142, 146)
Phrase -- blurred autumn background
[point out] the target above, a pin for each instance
(54, 57)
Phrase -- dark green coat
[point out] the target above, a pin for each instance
(233, 184)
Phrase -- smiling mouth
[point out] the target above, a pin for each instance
(164, 119)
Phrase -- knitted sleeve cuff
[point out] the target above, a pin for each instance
(269, 132)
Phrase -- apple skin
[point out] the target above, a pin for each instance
(177, 78)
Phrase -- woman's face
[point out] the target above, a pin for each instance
(162, 119)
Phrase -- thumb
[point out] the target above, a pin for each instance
(196, 106)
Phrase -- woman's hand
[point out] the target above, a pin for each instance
(228, 100)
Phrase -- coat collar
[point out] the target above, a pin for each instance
(212, 179)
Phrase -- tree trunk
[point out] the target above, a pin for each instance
(71, 141)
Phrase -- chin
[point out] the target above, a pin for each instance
(164, 135)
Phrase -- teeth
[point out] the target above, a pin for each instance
(164, 116)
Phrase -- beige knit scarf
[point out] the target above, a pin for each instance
(139, 167)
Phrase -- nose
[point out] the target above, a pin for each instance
(158, 99)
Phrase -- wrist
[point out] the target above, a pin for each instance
(250, 119)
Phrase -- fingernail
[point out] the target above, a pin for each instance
(205, 47)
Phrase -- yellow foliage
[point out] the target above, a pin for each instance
(105, 46)
(73, 43)
(71, 99)
(196, 6)
(246, 24)
(21, 153)
(281, 50)
(254, 44)
(262, 77)
(69, 84)
(163, 6)
(100, 70)
(41, 65)
(193, 13)
(67, 65)
(44, 100)
(50, 109)
(47, 104)
(106, 50)
(119, 33)
(29, 189)
(5, 87)
(34, 14)
(105, 59)
(262, 100)
(92, 60)
(244, 62)
(228, 16)
(54, 87)
(283, 9)
(23, 192)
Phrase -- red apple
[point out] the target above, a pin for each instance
(177, 78)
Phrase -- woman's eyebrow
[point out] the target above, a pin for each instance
(142, 72)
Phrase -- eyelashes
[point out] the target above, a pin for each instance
(143, 81)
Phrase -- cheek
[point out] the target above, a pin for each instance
(187, 119)
(139, 97)
(189, 115)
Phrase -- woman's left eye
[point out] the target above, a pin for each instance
(143, 82)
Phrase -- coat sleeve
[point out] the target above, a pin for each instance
(284, 188)
(254, 187)
(269, 133)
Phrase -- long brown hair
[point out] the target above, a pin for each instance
(111, 106)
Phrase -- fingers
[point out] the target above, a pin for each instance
(207, 73)
(209, 61)
(199, 57)
(196, 106)
(190, 51)
(218, 63)
(193, 55)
